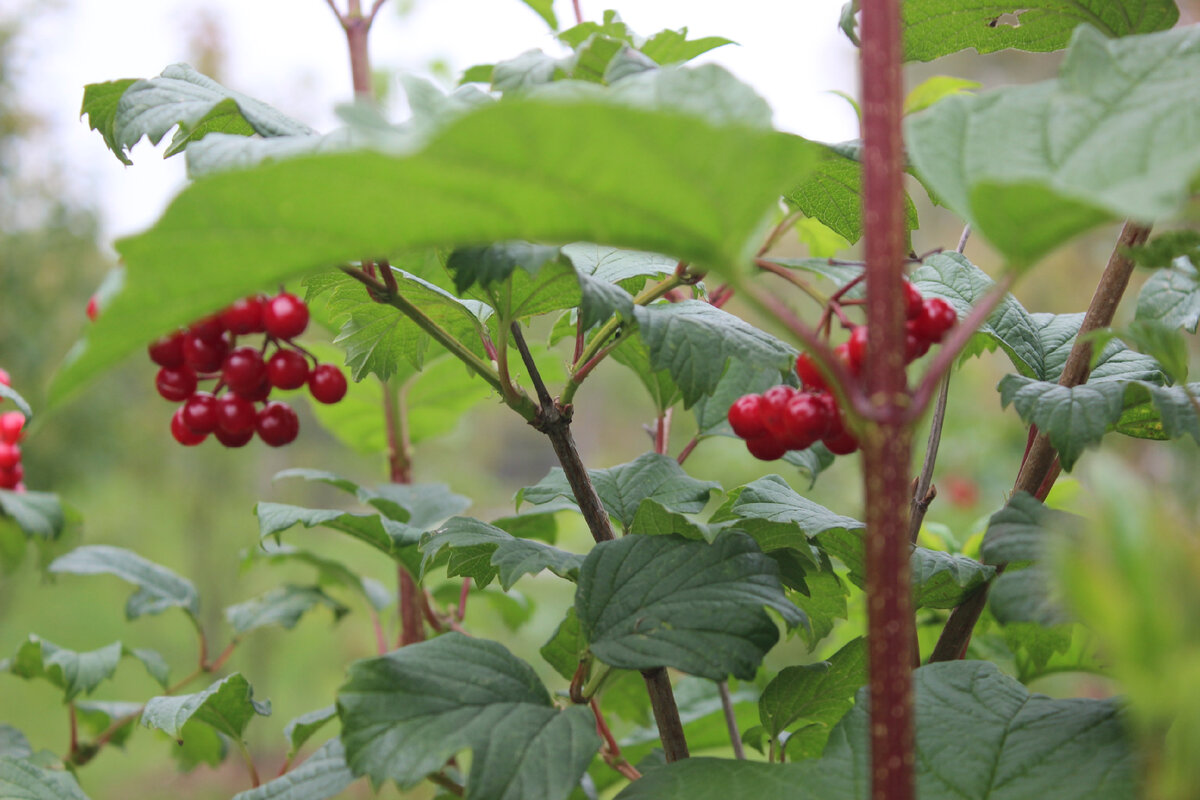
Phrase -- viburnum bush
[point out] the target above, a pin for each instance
(618, 200)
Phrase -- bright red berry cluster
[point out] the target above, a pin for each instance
(783, 418)
(244, 375)
(12, 424)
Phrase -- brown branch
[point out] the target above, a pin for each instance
(666, 713)
(735, 738)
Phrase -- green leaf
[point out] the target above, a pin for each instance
(301, 729)
(329, 571)
(633, 354)
(181, 96)
(939, 87)
(199, 744)
(623, 488)
(387, 536)
(74, 673)
(814, 695)
(36, 513)
(98, 715)
(1031, 166)
(673, 47)
(592, 58)
(651, 601)
(777, 517)
(545, 10)
(712, 411)
(567, 647)
(531, 68)
(13, 743)
(281, 606)
(1163, 249)
(1165, 344)
(823, 599)
(935, 28)
(482, 551)
(558, 172)
(12, 394)
(324, 774)
(405, 714)
(100, 102)
(1006, 743)
(608, 277)
(694, 341)
(832, 194)
(227, 707)
(24, 780)
(708, 92)
(1172, 297)
(158, 587)
(944, 580)
(495, 263)
(1169, 413)
(611, 25)
(655, 519)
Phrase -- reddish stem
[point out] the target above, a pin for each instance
(687, 449)
(381, 645)
(461, 610)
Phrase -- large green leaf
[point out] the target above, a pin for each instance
(980, 736)
(1172, 296)
(405, 714)
(813, 697)
(324, 774)
(777, 517)
(935, 28)
(481, 551)
(1031, 166)
(180, 96)
(608, 276)
(158, 587)
(227, 706)
(694, 341)
(560, 172)
(832, 193)
(623, 488)
(36, 513)
(24, 780)
(282, 606)
(652, 601)
(673, 47)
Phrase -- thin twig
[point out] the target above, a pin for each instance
(451, 786)
(688, 448)
(735, 738)
(460, 611)
(341, 20)
(923, 492)
(578, 12)
(374, 10)
(792, 278)
(381, 645)
(543, 394)
(610, 751)
(778, 231)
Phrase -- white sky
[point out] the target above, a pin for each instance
(291, 54)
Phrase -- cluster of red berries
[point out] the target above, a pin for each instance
(207, 350)
(783, 418)
(12, 424)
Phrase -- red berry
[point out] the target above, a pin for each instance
(234, 439)
(913, 301)
(327, 384)
(182, 433)
(209, 329)
(842, 354)
(11, 423)
(810, 374)
(168, 351)
(937, 317)
(856, 349)
(285, 316)
(259, 393)
(243, 370)
(4, 378)
(200, 412)
(11, 477)
(175, 385)
(915, 345)
(278, 424)
(245, 315)
(765, 448)
(10, 455)
(842, 444)
(235, 414)
(806, 421)
(745, 417)
(93, 308)
(773, 407)
(204, 355)
(287, 369)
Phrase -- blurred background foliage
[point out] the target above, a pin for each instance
(110, 457)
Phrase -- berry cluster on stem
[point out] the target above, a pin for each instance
(12, 425)
(238, 406)
(784, 418)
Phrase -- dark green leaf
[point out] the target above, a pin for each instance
(673, 47)
(324, 774)
(281, 606)
(815, 696)
(482, 551)
(158, 587)
(36, 513)
(608, 276)
(742, 377)
(100, 104)
(1031, 166)
(387, 536)
(73, 672)
(944, 580)
(633, 353)
(567, 647)
(823, 599)
(405, 714)
(623, 488)
(648, 601)
(301, 729)
(832, 194)
(694, 341)
(1163, 249)
(24, 780)
(777, 517)
(328, 570)
(1172, 296)
(1006, 743)
(556, 172)
(935, 28)
(495, 263)
(655, 519)
(227, 706)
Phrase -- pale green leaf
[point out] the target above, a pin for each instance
(24, 780)
(226, 706)
(324, 774)
(939, 87)
(281, 606)
(158, 587)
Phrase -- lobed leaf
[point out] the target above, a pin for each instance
(482, 551)
(158, 587)
(301, 729)
(24, 780)
(1172, 297)
(324, 774)
(814, 696)
(777, 517)
(226, 706)
(832, 194)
